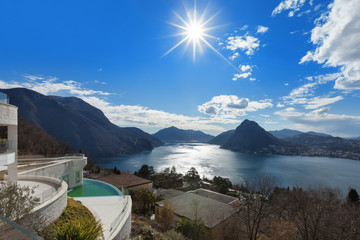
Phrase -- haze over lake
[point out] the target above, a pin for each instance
(210, 160)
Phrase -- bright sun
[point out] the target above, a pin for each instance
(194, 31)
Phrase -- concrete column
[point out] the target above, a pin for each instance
(13, 142)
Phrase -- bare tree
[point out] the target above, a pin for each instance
(255, 209)
(165, 215)
(311, 211)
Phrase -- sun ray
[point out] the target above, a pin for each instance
(219, 54)
(178, 44)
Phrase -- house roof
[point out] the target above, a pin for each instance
(125, 180)
(214, 195)
(168, 193)
(211, 211)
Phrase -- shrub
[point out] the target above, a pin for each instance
(86, 229)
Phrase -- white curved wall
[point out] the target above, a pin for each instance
(9, 118)
(52, 209)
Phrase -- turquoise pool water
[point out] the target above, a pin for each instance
(94, 188)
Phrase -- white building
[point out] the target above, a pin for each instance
(52, 178)
(8, 147)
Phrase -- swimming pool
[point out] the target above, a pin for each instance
(94, 188)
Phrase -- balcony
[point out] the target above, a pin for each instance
(7, 154)
(4, 98)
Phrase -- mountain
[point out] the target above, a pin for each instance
(319, 134)
(173, 134)
(284, 133)
(222, 138)
(327, 142)
(86, 128)
(250, 137)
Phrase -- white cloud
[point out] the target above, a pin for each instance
(244, 43)
(304, 13)
(32, 77)
(244, 27)
(241, 75)
(245, 68)
(235, 55)
(293, 5)
(100, 69)
(227, 108)
(51, 85)
(261, 29)
(252, 79)
(321, 121)
(337, 40)
(140, 116)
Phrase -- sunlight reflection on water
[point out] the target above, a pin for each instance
(210, 160)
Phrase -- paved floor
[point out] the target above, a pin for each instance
(106, 209)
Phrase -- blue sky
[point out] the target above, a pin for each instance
(285, 64)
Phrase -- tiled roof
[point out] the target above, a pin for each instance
(125, 180)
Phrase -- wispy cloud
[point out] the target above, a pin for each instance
(305, 94)
(321, 121)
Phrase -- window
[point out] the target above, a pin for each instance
(78, 177)
(66, 179)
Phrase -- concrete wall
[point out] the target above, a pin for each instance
(61, 169)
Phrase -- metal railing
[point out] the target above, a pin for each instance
(6, 146)
(12, 230)
(46, 195)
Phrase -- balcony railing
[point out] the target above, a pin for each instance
(6, 146)
(4, 98)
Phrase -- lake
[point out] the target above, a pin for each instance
(210, 160)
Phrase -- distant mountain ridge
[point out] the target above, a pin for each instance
(173, 134)
(285, 133)
(85, 127)
(249, 137)
(222, 138)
